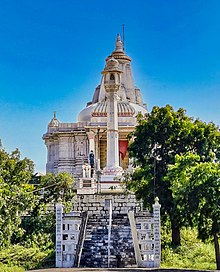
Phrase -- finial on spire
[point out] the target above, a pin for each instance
(54, 121)
(119, 44)
(123, 36)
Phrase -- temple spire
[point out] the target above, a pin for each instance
(119, 44)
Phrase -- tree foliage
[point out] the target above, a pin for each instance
(53, 188)
(16, 197)
(50, 190)
(196, 190)
(159, 136)
(27, 210)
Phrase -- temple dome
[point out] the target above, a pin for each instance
(99, 109)
(86, 114)
(138, 109)
(124, 109)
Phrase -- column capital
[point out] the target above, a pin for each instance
(91, 135)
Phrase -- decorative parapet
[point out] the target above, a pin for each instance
(81, 239)
(146, 236)
(59, 227)
(157, 238)
(67, 235)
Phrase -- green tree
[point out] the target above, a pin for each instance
(16, 194)
(49, 190)
(196, 191)
(159, 136)
(53, 188)
(27, 209)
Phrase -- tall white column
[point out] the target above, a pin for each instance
(112, 82)
(112, 130)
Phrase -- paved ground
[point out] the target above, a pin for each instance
(93, 270)
(114, 270)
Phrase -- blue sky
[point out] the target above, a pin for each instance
(52, 53)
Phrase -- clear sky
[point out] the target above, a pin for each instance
(52, 53)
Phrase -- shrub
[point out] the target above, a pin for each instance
(27, 258)
(192, 253)
(5, 268)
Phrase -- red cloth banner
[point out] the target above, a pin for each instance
(123, 146)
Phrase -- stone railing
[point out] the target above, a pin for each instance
(79, 246)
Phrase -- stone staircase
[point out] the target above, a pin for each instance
(95, 248)
(122, 252)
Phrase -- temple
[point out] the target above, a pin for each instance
(102, 126)
(106, 227)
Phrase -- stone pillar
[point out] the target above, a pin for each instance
(112, 81)
(59, 228)
(91, 136)
(112, 130)
(157, 242)
(49, 165)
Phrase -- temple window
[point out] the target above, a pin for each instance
(112, 77)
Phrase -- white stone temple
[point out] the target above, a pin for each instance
(106, 227)
(102, 126)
